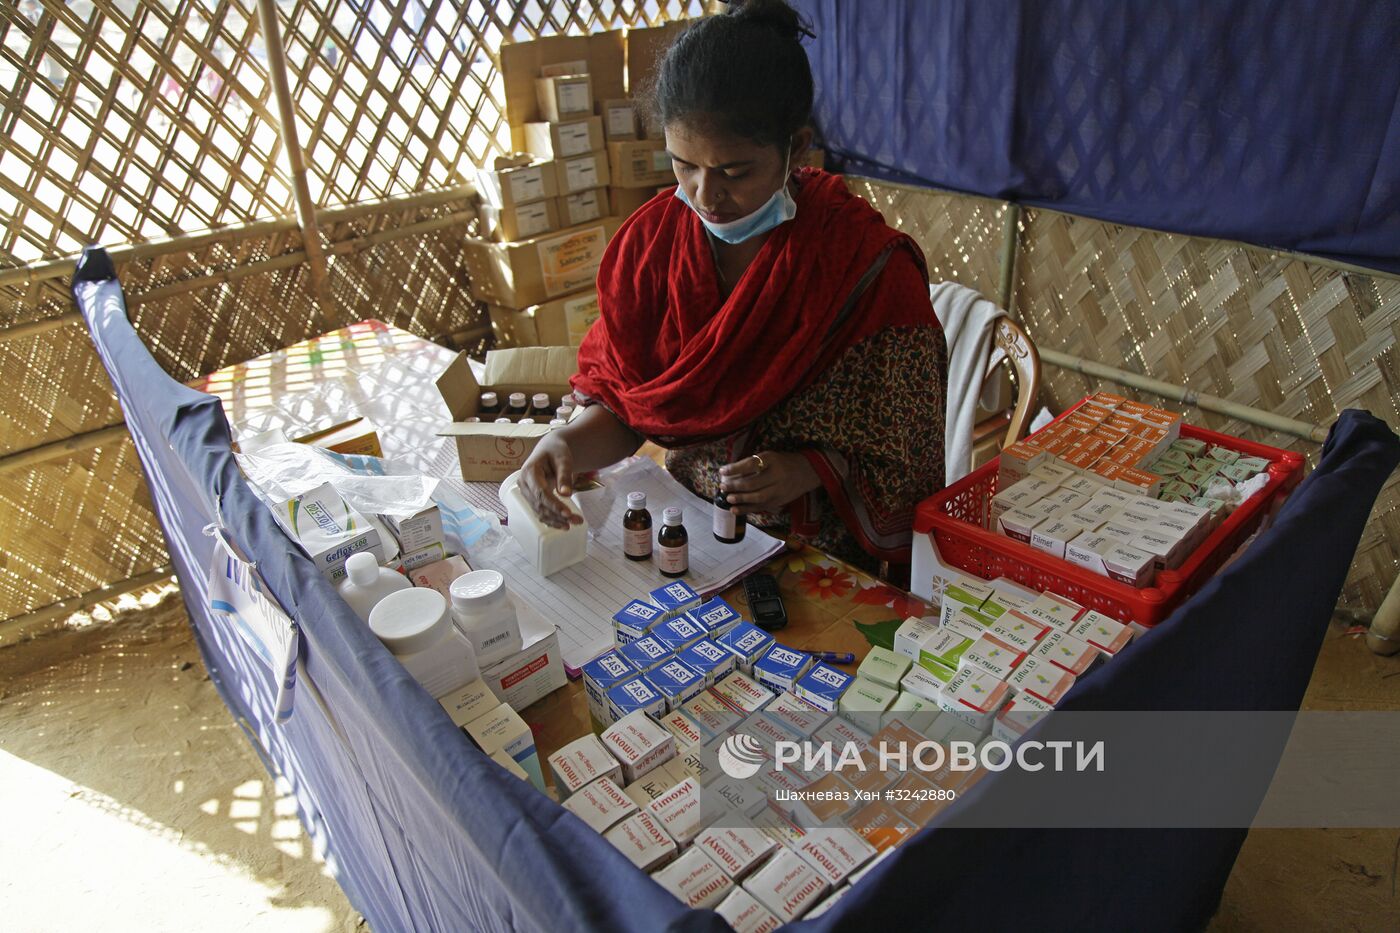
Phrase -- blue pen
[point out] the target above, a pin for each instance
(834, 657)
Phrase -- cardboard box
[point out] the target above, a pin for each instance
(580, 763)
(695, 880)
(583, 206)
(517, 180)
(822, 686)
(642, 163)
(643, 841)
(787, 885)
(639, 745)
(356, 436)
(619, 120)
(645, 48)
(534, 270)
(328, 530)
(491, 452)
(742, 911)
(682, 810)
(564, 97)
(622, 202)
(562, 322)
(564, 140)
(582, 173)
(533, 672)
(601, 805)
(504, 731)
(511, 224)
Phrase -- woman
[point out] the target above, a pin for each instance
(763, 324)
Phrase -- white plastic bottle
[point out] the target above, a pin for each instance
(416, 626)
(366, 583)
(484, 613)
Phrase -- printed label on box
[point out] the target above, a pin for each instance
(527, 185)
(570, 262)
(573, 138)
(579, 315)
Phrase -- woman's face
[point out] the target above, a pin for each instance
(725, 177)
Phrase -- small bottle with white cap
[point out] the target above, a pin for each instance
(483, 612)
(416, 626)
(516, 405)
(540, 406)
(366, 583)
(672, 545)
(636, 528)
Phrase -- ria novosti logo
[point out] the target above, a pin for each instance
(741, 756)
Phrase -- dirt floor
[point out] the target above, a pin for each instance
(132, 801)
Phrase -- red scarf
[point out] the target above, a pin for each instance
(679, 365)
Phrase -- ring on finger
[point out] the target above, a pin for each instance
(758, 460)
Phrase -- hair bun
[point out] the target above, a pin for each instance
(774, 14)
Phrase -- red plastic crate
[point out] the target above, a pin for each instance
(956, 518)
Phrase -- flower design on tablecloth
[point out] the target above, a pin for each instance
(800, 558)
(902, 603)
(826, 582)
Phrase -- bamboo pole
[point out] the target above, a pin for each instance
(296, 161)
(1010, 235)
(34, 456)
(1212, 403)
(14, 629)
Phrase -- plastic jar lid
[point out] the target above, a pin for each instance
(672, 515)
(488, 399)
(636, 500)
(477, 589)
(411, 620)
(362, 568)
(541, 399)
(517, 399)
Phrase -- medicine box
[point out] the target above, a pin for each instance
(656, 782)
(695, 880)
(1018, 631)
(509, 764)
(504, 731)
(747, 643)
(968, 623)
(975, 697)
(736, 846)
(582, 172)
(963, 593)
(634, 620)
(742, 693)
(716, 616)
(686, 730)
(1107, 635)
(677, 681)
(864, 700)
(619, 119)
(634, 695)
(645, 654)
(643, 841)
(1129, 565)
(678, 632)
(742, 911)
(822, 686)
(638, 744)
(926, 684)
(580, 763)
(511, 224)
(580, 207)
(601, 805)
(470, 703)
(787, 885)
(599, 676)
(885, 667)
(328, 530)
(564, 97)
(565, 139)
(712, 661)
(517, 180)
(1055, 611)
(641, 163)
(797, 715)
(684, 810)
(536, 269)
(835, 852)
(1018, 715)
(994, 656)
(1067, 652)
(533, 672)
(780, 667)
(911, 634)
(674, 599)
(1039, 678)
(712, 713)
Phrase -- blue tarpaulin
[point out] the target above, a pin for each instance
(1275, 123)
(425, 833)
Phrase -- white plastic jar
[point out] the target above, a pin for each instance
(484, 613)
(416, 626)
(366, 583)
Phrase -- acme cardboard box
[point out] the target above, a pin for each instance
(534, 270)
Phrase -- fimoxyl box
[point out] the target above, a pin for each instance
(712, 661)
(742, 911)
(638, 744)
(643, 841)
(695, 880)
(747, 642)
(601, 805)
(717, 617)
(580, 763)
(787, 885)
(677, 681)
(634, 695)
(780, 667)
(674, 599)
(678, 632)
(683, 810)
(822, 686)
(834, 851)
(634, 620)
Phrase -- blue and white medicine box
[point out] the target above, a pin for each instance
(645, 653)
(747, 643)
(780, 667)
(716, 617)
(599, 676)
(822, 686)
(674, 599)
(678, 633)
(634, 620)
(709, 659)
(678, 682)
(632, 695)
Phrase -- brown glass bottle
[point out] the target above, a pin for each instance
(673, 545)
(490, 404)
(540, 406)
(636, 528)
(515, 407)
(728, 527)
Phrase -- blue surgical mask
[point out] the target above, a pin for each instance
(778, 209)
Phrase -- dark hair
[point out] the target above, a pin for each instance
(743, 72)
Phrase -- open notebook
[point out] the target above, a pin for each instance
(582, 599)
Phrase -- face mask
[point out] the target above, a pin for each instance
(778, 209)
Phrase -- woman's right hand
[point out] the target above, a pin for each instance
(546, 477)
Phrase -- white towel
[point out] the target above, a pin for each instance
(967, 320)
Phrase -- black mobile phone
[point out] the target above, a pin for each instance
(766, 604)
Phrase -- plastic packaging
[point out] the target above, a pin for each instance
(548, 549)
(483, 612)
(367, 583)
(415, 625)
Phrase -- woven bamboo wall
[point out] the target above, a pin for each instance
(1265, 329)
(137, 120)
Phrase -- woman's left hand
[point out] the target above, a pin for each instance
(767, 481)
